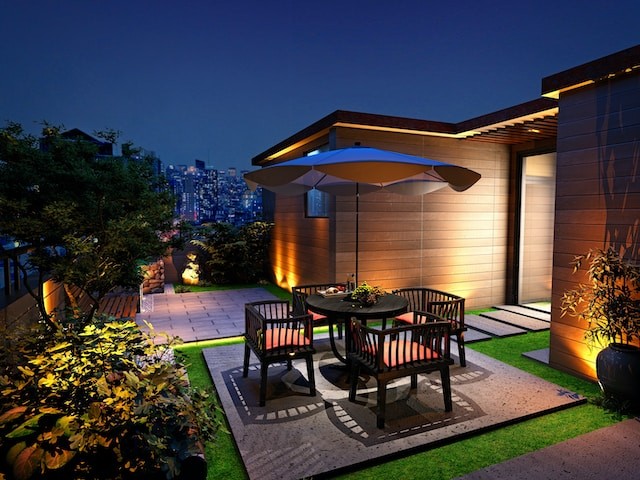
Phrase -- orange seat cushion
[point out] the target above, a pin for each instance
(284, 337)
(317, 317)
(406, 352)
(406, 318)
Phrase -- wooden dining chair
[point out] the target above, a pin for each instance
(275, 334)
(445, 305)
(407, 350)
(299, 295)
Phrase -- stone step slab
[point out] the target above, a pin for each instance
(514, 319)
(492, 327)
(527, 312)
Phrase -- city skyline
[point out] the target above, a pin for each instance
(209, 195)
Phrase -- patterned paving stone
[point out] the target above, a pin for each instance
(200, 316)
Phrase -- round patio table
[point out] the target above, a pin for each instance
(342, 310)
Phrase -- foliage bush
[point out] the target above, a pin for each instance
(610, 301)
(181, 289)
(87, 219)
(234, 255)
(101, 401)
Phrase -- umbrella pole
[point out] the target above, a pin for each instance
(357, 228)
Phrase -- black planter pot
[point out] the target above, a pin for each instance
(618, 371)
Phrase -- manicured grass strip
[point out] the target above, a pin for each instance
(222, 456)
(276, 290)
(215, 288)
(479, 311)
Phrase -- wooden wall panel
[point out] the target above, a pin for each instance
(597, 196)
(448, 240)
(301, 249)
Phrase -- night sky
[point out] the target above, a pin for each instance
(222, 81)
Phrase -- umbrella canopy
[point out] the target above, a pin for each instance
(338, 172)
(356, 170)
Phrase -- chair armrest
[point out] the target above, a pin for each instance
(425, 317)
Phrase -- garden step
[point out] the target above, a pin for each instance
(491, 327)
(526, 311)
(517, 320)
(473, 335)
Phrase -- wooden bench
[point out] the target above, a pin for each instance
(119, 304)
(401, 352)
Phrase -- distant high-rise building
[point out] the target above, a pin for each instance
(209, 196)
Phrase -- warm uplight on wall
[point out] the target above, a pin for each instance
(280, 277)
(586, 355)
(50, 301)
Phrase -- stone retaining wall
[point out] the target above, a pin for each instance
(153, 278)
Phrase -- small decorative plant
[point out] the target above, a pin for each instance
(610, 302)
(367, 294)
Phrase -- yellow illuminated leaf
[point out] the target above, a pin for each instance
(65, 423)
(14, 451)
(59, 346)
(49, 380)
(13, 414)
(26, 371)
(58, 459)
(103, 387)
(27, 428)
(27, 462)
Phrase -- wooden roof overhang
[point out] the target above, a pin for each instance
(530, 121)
(621, 63)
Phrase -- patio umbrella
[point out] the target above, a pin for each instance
(357, 170)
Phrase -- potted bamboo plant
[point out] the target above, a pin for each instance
(610, 305)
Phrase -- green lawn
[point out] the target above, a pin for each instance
(270, 287)
(488, 449)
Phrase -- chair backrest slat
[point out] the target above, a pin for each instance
(443, 304)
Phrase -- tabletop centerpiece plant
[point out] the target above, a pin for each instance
(367, 294)
(610, 305)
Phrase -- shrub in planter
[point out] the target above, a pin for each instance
(610, 305)
(104, 401)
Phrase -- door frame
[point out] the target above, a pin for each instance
(513, 293)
